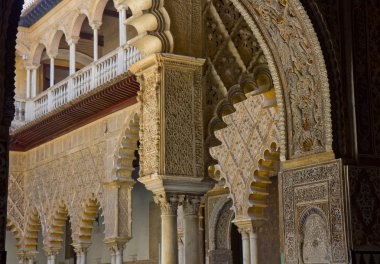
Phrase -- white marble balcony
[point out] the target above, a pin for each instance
(89, 78)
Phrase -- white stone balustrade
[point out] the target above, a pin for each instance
(83, 81)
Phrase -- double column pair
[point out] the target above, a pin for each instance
(169, 236)
(249, 234)
(27, 258)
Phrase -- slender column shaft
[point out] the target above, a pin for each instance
(191, 230)
(30, 261)
(180, 252)
(72, 57)
(96, 44)
(169, 237)
(119, 256)
(113, 258)
(122, 27)
(246, 248)
(83, 257)
(79, 258)
(253, 247)
(28, 83)
(34, 82)
(51, 71)
(52, 261)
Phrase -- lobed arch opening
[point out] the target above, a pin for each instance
(16, 232)
(53, 239)
(32, 230)
(90, 214)
(126, 153)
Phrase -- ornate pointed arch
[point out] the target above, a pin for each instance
(267, 166)
(223, 206)
(90, 209)
(32, 228)
(126, 148)
(257, 83)
(55, 228)
(248, 152)
(16, 232)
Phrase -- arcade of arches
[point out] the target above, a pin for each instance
(188, 131)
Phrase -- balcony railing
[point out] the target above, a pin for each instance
(82, 82)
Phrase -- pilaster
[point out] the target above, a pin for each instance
(118, 221)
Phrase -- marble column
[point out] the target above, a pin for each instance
(28, 73)
(52, 59)
(122, 27)
(246, 247)
(253, 246)
(95, 27)
(34, 80)
(180, 248)
(191, 229)
(72, 43)
(169, 237)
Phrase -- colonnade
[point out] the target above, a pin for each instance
(32, 69)
(174, 249)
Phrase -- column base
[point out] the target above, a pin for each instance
(3, 257)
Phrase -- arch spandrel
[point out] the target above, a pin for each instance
(249, 135)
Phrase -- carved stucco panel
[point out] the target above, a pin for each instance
(249, 132)
(179, 122)
(150, 122)
(312, 189)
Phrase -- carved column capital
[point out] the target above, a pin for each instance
(249, 227)
(191, 205)
(27, 257)
(168, 203)
(95, 25)
(81, 249)
(72, 40)
(116, 244)
(51, 253)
